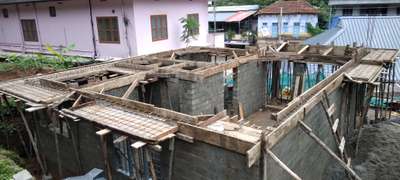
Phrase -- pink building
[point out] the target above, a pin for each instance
(99, 28)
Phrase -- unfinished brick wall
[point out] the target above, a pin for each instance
(200, 161)
(202, 97)
(300, 152)
(250, 86)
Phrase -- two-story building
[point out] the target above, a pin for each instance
(365, 7)
(287, 18)
(99, 28)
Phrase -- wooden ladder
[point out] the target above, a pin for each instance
(334, 124)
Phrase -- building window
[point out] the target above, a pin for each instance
(398, 11)
(265, 25)
(108, 29)
(285, 27)
(5, 13)
(347, 12)
(195, 17)
(29, 30)
(52, 11)
(373, 12)
(159, 27)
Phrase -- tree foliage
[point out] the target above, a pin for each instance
(323, 17)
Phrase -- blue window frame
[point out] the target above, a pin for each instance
(274, 30)
(285, 27)
(296, 30)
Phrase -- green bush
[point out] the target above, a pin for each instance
(313, 30)
(9, 164)
(57, 60)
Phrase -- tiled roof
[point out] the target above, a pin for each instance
(370, 31)
(289, 7)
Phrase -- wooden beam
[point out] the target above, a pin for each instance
(151, 164)
(213, 119)
(76, 103)
(234, 54)
(335, 125)
(120, 139)
(185, 137)
(327, 51)
(331, 110)
(241, 111)
(138, 144)
(36, 108)
(283, 45)
(102, 133)
(253, 154)
(130, 89)
(282, 165)
(233, 143)
(303, 49)
(309, 132)
(171, 157)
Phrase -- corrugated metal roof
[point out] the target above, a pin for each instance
(370, 31)
(234, 8)
(220, 17)
(19, 1)
(240, 16)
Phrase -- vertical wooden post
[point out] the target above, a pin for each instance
(151, 164)
(171, 157)
(31, 138)
(76, 152)
(103, 141)
(60, 173)
(276, 67)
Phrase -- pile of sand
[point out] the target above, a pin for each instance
(378, 155)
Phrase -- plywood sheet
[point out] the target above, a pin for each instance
(380, 56)
(365, 72)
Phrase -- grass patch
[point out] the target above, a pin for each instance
(10, 163)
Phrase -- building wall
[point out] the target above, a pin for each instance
(391, 9)
(175, 10)
(200, 161)
(250, 86)
(202, 97)
(303, 19)
(72, 25)
(300, 152)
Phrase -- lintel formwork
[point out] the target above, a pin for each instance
(119, 98)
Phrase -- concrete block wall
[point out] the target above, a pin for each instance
(250, 86)
(300, 152)
(201, 161)
(202, 97)
(88, 145)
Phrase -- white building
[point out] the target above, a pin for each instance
(295, 16)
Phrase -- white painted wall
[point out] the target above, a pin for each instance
(175, 10)
(303, 19)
